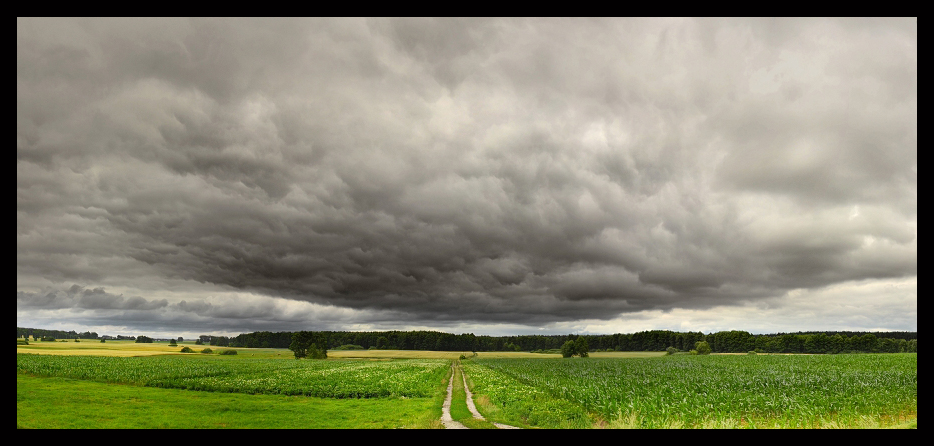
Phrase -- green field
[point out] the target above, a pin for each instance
(781, 391)
(266, 388)
(62, 403)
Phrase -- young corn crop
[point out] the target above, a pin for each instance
(703, 391)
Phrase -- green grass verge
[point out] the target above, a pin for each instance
(62, 403)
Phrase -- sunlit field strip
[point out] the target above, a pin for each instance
(109, 348)
(699, 391)
(333, 379)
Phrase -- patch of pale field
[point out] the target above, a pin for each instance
(119, 348)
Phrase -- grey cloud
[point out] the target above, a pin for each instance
(77, 297)
(524, 171)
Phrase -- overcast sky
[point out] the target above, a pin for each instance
(178, 177)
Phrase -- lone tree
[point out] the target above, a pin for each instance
(567, 350)
(578, 347)
(172, 343)
(581, 347)
(702, 347)
(309, 344)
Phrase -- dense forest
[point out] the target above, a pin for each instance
(656, 340)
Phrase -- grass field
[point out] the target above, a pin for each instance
(61, 403)
(122, 384)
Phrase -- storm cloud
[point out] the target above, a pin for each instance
(439, 171)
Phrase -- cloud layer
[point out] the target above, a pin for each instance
(505, 171)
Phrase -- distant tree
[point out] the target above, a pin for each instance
(180, 339)
(567, 350)
(702, 347)
(309, 344)
(143, 339)
(198, 342)
(172, 343)
(671, 351)
(102, 341)
(581, 347)
(186, 349)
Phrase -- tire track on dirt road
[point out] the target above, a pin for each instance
(446, 419)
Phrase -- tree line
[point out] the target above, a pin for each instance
(733, 341)
(57, 334)
(655, 340)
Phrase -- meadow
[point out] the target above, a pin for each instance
(95, 385)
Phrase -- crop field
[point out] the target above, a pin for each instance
(797, 391)
(405, 389)
(328, 379)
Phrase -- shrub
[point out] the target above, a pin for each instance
(702, 347)
(693, 352)
(77, 340)
(228, 352)
(752, 352)
(172, 343)
(207, 350)
(102, 341)
(187, 349)
(671, 350)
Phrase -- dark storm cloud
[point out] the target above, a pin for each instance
(522, 170)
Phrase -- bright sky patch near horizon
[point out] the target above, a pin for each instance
(178, 177)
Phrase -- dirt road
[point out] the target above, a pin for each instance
(446, 419)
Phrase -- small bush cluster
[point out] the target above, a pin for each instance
(187, 349)
(548, 351)
(228, 352)
(207, 350)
